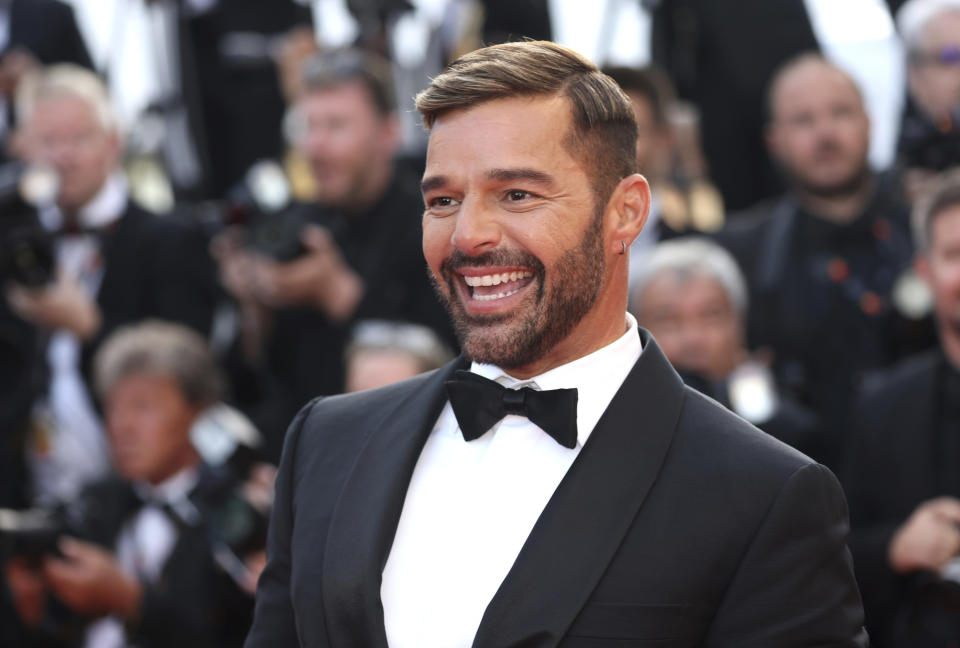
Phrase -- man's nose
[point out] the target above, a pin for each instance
(477, 229)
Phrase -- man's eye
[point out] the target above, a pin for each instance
(518, 194)
(442, 201)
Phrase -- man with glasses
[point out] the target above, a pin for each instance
(930, 134)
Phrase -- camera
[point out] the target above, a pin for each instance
(26, 247)
(261, 205)
(31, 533)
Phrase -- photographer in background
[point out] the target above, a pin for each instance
(154, 556)
(115, 263)
(354, 253)
(903, 478)
(930, 132)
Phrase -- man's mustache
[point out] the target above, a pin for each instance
(494, 258)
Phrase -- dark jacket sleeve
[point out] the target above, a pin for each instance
(795, 584)
(274, 623)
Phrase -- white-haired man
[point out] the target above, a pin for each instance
(692, 297)
(114, 264)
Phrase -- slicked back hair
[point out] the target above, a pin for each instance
(604, 134)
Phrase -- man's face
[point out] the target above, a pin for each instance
(346, 141)
(820, 132)
(512, 234)
(940, 266)
(148, 424)
(64, 132)
(694, 322)
(933, 74)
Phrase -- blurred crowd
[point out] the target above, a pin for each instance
(166, 309)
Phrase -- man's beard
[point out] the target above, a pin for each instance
(576, 282)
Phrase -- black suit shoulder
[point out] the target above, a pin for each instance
(331, 430)
(886, 388)
(730, 440)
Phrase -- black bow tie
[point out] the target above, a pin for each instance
(479, 404)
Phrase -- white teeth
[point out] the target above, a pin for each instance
(497, 296)
(496, 279)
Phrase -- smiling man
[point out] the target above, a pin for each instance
(557, 485)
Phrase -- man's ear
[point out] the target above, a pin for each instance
(629, 209)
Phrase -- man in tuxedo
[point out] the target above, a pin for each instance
(148, 556)
(904, 467)
(557, 485)
(115, 263)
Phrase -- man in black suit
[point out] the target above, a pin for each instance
(598, 503)
(115, 264)
(904, 467)
(149, 556)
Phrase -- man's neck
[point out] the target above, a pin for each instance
(376, 185)
(841, 209)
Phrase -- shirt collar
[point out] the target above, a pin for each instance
(105, 208)
(597, 377)
(171, 490)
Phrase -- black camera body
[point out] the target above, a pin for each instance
(260, 206)
(26, 248)
(32, 533)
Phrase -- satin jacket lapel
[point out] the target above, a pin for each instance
(584, 522)
(366, 516)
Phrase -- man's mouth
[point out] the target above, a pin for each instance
(490, 287)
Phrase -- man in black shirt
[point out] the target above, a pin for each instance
(903, 480)
(360, 255)
(822, 262)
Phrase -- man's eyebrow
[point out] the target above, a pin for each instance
(508, 175)
(433, 182)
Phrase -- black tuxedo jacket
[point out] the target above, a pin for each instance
(194, 603)
(154, 267)
(899, 458)
(677, 525)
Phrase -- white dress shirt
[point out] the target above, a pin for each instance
(75, 451)
(471, 505)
